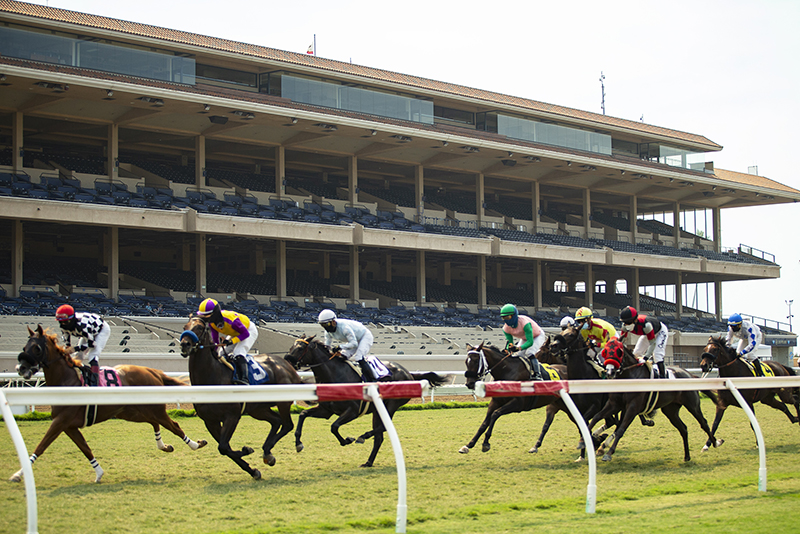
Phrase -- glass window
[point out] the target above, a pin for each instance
(229, 77)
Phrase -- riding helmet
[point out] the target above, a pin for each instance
(65, 312)
(207, 307)
(567, 321)
(326, 316)
(735, 320)
(628, 314)
(583, 314)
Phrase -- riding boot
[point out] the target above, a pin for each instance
(757, 367)
(537, 368)
(240, 362)
(94, 376)
(662, 370)
(366, 370)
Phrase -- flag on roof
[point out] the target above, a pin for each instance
(310, 49)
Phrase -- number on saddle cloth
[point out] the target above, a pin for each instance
(766, 369)
(108, 376)
(256, 374)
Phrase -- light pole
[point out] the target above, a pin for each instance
(789, 303)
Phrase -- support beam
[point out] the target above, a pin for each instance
(421, 289)
(352, 180)
(201, 263)
(679, 293)
(676, 229)
(718, 299)
(587, 213)
(387, 261)
(633, 288)
(280, 171)
(633, 212)
(539, 283)
(480, 197)
(112, 256)
(535, 207)
(355, 288)
(17, 135)
(716, 214)
(419, 191)
(589, 286)
(326, 265)
(280, 268)
(17, 257)
(112, 152)
(482, 294)
(200, 161)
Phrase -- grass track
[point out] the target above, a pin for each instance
(646, 488)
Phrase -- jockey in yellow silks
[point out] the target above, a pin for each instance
(596, 332)
(237, 332)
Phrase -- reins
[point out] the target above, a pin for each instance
(305, 353)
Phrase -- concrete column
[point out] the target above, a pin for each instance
(716, 215)
(589, 286)
(352, 180)
(200, 161)
(112, 152)
(633, 210)
(186, 256)
(718, 299)
(112, 255)
(326, 265)
(535, 207)
(444, 273)
(539, 283)
(280, 171)
(258, 259)
(482, 297)
(422, 296)
(201, 263)
(17, 256)
(419, 191)
(480, 196)
(17, 134)
(633, 288)
(387, 267)
(355, 268)
(679, 293)
(280, 268)
(587, 212)
(498, 275)
(676, 219)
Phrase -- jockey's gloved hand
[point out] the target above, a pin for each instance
(81, 348)
(512, 348)
(335, 349)
(227, 342)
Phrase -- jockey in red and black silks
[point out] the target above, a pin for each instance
(653, 333)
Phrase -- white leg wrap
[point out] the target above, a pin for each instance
(97, 469)
(159, 443)
(191, 443)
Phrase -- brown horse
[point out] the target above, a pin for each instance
(488, 359)
(717, 354)
(221, 419)
(60, 369)
(633, 404)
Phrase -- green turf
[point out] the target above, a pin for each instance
(646, 488)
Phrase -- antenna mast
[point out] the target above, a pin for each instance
(602, 92)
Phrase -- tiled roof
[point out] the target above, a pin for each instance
(752, 179)
(306, 60)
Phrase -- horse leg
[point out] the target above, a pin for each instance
(513, 406)
(672, 413)
(283, 426)
(222, 431)
(550, 414)
(346, 417)
(773, 402)
(631, 410)
(321, 411)
(377, 431)
(693, 406)
(494, 404)
(721, 407)
(159, 416)
(53, 431)
(76, 436)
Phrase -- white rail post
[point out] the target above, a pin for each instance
(591, 488)
(762, 453)
(402, 507)
(24, 462)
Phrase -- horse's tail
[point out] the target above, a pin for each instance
(168, 380)
(432, 378)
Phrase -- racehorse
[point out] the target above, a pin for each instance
(61, 369)
(717, 354)
(488, 359)
(330, 369)
(221, 419)
(669, 402)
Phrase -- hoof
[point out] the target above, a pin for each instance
(202, 443)
(579, 459)
(704, 449)
(486, 447)
(16, 477)
(299, 447)
(256, 474)
(648, 422)
(368, 464)
(534, 450)
(269, 459)
(247, 450)
(168, 448)
(606, 457)
(719, 443)
(462, 450)
(360, 440)
(348, 441)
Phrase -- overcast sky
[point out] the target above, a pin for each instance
(726, 69)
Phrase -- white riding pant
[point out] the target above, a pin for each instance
(362, 350)
(92, 354)
(643, 344)
(538, 341)
(243, 347)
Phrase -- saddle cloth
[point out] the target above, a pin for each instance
(378, 368)
(108, 377)
(766, 369)
(256, 374)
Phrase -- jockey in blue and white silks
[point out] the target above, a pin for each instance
(354, 341)
(749, 336)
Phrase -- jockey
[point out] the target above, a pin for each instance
(653, 332)
(596, 332)
(528, 334)
(566, 322)
(749, 335)
(93, 332)
(238, 334)
(354, 340)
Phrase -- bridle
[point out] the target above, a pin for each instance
(299, 360)
(713, 357)
(194, 338)
(483, 364)
(35, 363)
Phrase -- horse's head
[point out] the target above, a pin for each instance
(37, 354)
(615, 357)
(547, 355)
(565, 340)
(195, 336)
(715, 354)
(477, 367)
(302, 352)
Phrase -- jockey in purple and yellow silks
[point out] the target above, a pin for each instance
(237, 332)
(596, 332)
(529, 335)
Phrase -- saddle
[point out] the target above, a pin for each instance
(766, 369)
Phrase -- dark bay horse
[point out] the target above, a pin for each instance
(61, 369)
(331, 369)
(488, 359)
(669, 402)
(221, 419)
(717, 354)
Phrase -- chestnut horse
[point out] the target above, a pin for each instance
(205, 369)
(61, 369)
(717, 354)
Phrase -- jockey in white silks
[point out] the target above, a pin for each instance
(354, 341)
(749, 336)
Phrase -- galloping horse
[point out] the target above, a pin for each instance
(669, 402)
(221, 419)
(488, 359)
(329, 369)
(717, 354)
(61, 369)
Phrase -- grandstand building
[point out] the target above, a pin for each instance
(144, 168)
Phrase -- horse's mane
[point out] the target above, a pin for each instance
(62, 351)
